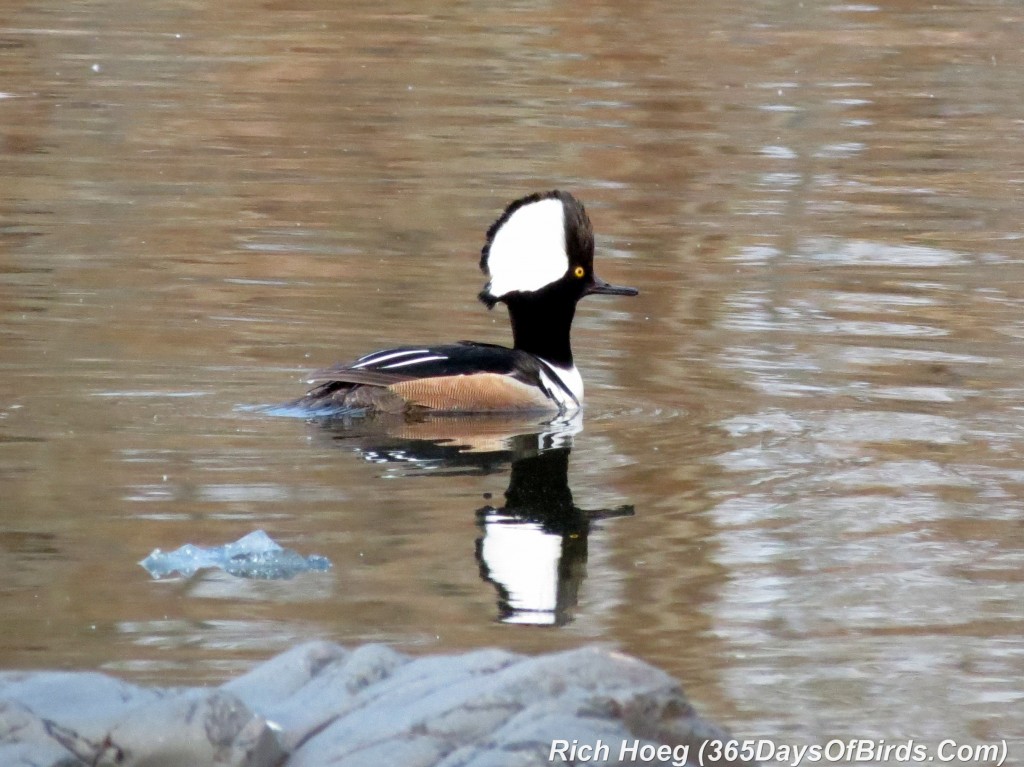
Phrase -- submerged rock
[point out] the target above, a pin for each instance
(321, 704)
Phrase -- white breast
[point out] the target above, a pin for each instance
(571, 380)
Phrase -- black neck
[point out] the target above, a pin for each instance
(541, 326)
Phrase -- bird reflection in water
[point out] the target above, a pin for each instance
(534, 548)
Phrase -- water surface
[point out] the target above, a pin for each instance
(814, 409)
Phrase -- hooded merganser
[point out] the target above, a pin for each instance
(539, 258)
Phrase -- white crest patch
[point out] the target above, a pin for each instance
(528, 251)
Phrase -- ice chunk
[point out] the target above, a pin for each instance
(255, 555)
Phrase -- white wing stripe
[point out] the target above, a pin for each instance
(371, 359)
(416, 361)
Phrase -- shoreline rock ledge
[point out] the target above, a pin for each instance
(319, 704)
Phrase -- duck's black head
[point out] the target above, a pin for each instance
(542, 245)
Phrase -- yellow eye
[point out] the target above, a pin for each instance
(578, 271)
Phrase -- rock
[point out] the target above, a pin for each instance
(320, 704)
(81, 724)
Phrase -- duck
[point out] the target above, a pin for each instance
(538, 258)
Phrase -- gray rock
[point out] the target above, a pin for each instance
(321, 705)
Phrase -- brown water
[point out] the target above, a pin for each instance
(815, 407)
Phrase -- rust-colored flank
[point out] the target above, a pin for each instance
(479, 392)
